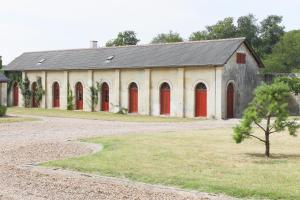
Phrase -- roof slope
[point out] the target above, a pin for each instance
(200, 53)
(3, 78)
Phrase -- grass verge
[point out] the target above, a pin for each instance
(10, 119)
(206, 160)
(93, 115)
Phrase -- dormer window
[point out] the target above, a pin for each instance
(241, 58)
(41, 61)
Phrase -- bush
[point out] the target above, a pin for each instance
(2, 110)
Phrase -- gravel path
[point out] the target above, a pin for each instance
(25, 143)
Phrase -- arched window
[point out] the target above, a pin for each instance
(79, 96)
(55, 95)
(34, 90)
(105, 97)
(15, 94)
(230, 101)
(200, 100)
(165, 96)
(133, 98)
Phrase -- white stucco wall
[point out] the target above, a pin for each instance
(182, 82)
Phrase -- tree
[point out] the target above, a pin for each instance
(167, 38)
(268, 111)
(123, 39)
(222, 29)
(285, 54)
(271, 31)
(199, 35)
(247, 27)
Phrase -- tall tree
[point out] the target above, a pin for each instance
(270, 102)
(285, 54)
(199, 35)
(222, 29)
(167, 38)
(124, 38)
(271, 31)
(247, 27)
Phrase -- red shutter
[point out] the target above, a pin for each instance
(56, 102)
(79, 96)
(230, 101)
(133, 98)
(201, 103)
(105, 97)
(165, 99)
(240, 58)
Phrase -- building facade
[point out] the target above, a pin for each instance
(211, 79)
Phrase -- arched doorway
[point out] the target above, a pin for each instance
(15, 94)
(133, 98)
(34, 90)
(230, 101)
(105, 97)
(165, 95)
(200, 100)
(55, 95)
(79, 96)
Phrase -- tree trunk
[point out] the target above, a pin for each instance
(267, 144)
(267, 138)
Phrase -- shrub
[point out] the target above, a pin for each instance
(2, 110)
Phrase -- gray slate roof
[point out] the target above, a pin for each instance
(3, 78)
(200, 53)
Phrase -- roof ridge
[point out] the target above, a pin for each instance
(142, 45)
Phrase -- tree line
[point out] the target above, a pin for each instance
(279, 50)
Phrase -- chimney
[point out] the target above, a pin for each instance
(93, 44)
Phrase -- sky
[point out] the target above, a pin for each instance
(36, 25)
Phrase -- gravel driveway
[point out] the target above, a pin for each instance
(26, 143)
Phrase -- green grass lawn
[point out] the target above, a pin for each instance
(12, 119)
(206, 160)
(93, 115)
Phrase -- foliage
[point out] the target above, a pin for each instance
(94, 92)
(222, 29)
(2, 110)
(270, 32)
(292, 82)
(167, 38)
(13, 77)
(25, 91)
(123, 39)
(247, 27)
(261, 36)
(38, 94)
(70, 98)
(285, 56)
(270, 102)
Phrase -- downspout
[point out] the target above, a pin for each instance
(215, 91)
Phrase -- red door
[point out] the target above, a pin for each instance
(56, 95)
(105, 97)
(165, 99)
(34, 89)
(230, 101)
(79, 96)
(16, 94)
(201, 100)
(133, 98)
